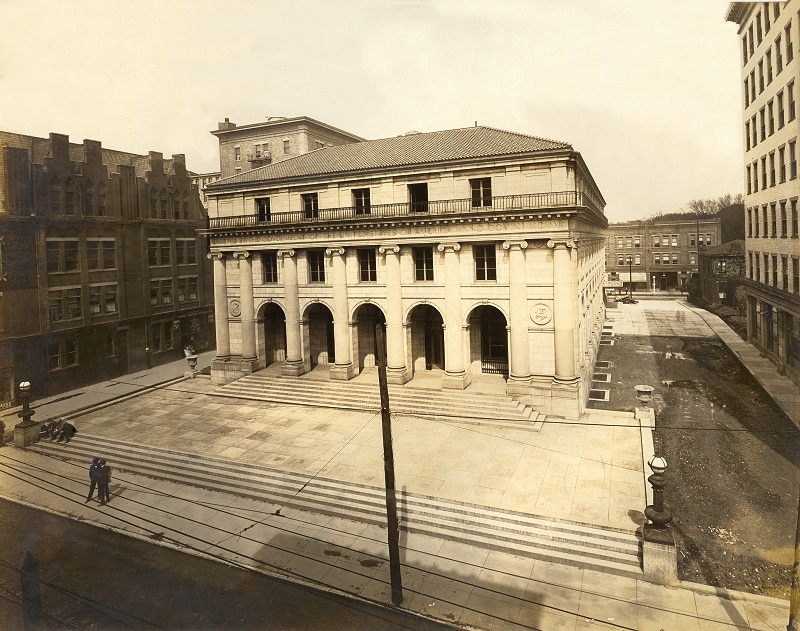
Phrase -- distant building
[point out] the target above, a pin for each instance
(770, 36)
(722, 272)
(274, 140)
(658, 255)
(102, 271)
(480, 249)
(201, 180)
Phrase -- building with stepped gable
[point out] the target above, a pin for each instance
(102, 270)
(769, 59)
(481, 250)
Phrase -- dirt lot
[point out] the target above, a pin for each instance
(734, 459)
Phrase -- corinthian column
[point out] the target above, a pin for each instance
(564, 315)
(221, 307)
(248, 306)
(518, 312)
(395, 348)
(293, 366)
(343, 367)
(454, 374)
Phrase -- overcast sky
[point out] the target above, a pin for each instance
(648, 91)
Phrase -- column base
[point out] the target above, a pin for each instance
(225, 371)
(518, 386)
(659, 555)
(455, 381)
(397, 376)
(25, 434)
(342, 372)
(293, 368)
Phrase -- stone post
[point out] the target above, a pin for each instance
(293, 366)
(343, 366)
(221, 307)
(519, 373)
(454, 374)
(395, 352)
(249, 357)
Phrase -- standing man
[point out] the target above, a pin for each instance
(103, 479)
(93, 477)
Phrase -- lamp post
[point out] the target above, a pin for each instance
(657, 513)
(26, 431)
(630, 275)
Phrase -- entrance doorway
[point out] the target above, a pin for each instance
(489, 341)
(366, 317)
(274, 333)
(427, 338)
(319, 333)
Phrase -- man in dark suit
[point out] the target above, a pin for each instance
(93, 476)
(103, 480)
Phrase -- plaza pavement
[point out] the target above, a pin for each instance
(590, 472)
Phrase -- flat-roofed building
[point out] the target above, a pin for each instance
(481, 250)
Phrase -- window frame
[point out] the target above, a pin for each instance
(367, 265)
(423, 263)
(485, 255)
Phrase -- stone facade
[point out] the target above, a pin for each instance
(481, 251)
(769, 58)
(102, 269)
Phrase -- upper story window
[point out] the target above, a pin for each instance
(55, 196)
(153, 203)
(186, 251)
(637, 259)
(792, 106)
(771, 117)
(185, 205)
(674, 240)
(760, 76)
(163, 205)
(637, 241)
(481, 192)
(311, 205)
(102, 299)
(423, 264)
(792, 159)
(656, 241)
(69, 196)
(778, 55)
(620, 242)
(794, 217)
(316, 266)
(88, 198)
(367, 266)
(285, 147)
(161, 292)
(101, 200)
(746, 92)
(418, 196)
(158, 252)
(187, 288)
(62, 255)
(101, 254)
(176, 205)
(263, 208)
(64, 304)
(744, 50)
(361, 201)
(62, 355)
(781, 114)
(485, 262)
(629, 242)
(759, 32)
(768, 60)
(269, 263)
(789, 45)
(237, 153)
(784, 223)
(782, 163)
(766, 17)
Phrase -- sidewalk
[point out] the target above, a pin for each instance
(456, 583)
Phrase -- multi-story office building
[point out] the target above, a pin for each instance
(481, 250)
(102, 271)
(274, 140)
(658, 255)
(201, 180)
(770, 36)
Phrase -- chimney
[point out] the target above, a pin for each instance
(226, 125)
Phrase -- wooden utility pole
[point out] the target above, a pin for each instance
(794, 598)
(388, 470)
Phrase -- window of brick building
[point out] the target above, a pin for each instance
(784, 223)
(69, 197)
(162, 336)
(101, 254)
(789, 44)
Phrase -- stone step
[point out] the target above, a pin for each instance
(470, 407)
(558, 541)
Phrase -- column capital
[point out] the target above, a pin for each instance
(335, 251)
(241, 254)
(285, 253)
(522, 245)
(216, 256)
(560, 244)
(443, 247)
(388, 248)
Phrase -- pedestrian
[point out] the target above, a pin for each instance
(103, 479)
(55, 428)
(93, 477)
(66, 432)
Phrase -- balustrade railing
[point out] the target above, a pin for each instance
(533, 201)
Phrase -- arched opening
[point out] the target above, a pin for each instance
(318, 325)
(426, 336)
(273, 344)
(488, 341)
(366, 317)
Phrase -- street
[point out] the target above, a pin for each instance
(97, 579)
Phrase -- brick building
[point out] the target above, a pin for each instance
(481, 250)
(102, 271)
(770, 36)
(658, 255)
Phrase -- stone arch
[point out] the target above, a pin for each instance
(270, 333)
(366, 315)
(488, 340)
(318, 335)
(425, 337)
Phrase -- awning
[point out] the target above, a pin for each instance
(638, 277)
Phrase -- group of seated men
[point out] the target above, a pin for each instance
(57, 430)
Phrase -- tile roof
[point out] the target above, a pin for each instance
(411, 149)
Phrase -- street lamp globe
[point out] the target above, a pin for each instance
(25, 387)
(658, 464)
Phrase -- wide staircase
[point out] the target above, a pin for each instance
(603, 549)
(457, 406)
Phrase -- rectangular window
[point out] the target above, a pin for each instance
(186, 251)
(311, 205)
(746, 92)
(757, 276)
(765, 215)
(784, 223)
(423, 264)
(708, 240)
(693, 258)
(637, 259)
(772, 168)
(166, 292)
(766, 269)
(753, 87)
(755, 130)
(62, 355)
(158, 252)
(759, 32)
(781, 164)
(316, 266)
(55, 306)
(778, 55)
(263, 209)
(485, 264)
(747, 135)
(620, 242)
(481, 192)
(749, 222)
(750, 39)
(774, 213)
(656, 259)
(95, 300)
(187, 288)
(774, 270)
(794, 217)
(785, 275)
(781, 113)
(162, 336)
(792, 160)
(764, 172)
(164, 252)
(749, 184)
(637, 242)
(768, 59)
(285, 147)
(361, 201)
(237, 154)
(418, 197)
(620, 259)
(674, 259)
(796, 275)
(789, 45)
(762, 117)
(656, 241)
(750, 265)
(269, 263)
(792, 104)
(367, 267)
(744, 50)
(691, 239)
(674, 240)
(760, 76)
(755, 176)
(771, 117)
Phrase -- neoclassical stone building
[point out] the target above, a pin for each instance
(481, 250)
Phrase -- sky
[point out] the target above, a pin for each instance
(648, 91)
